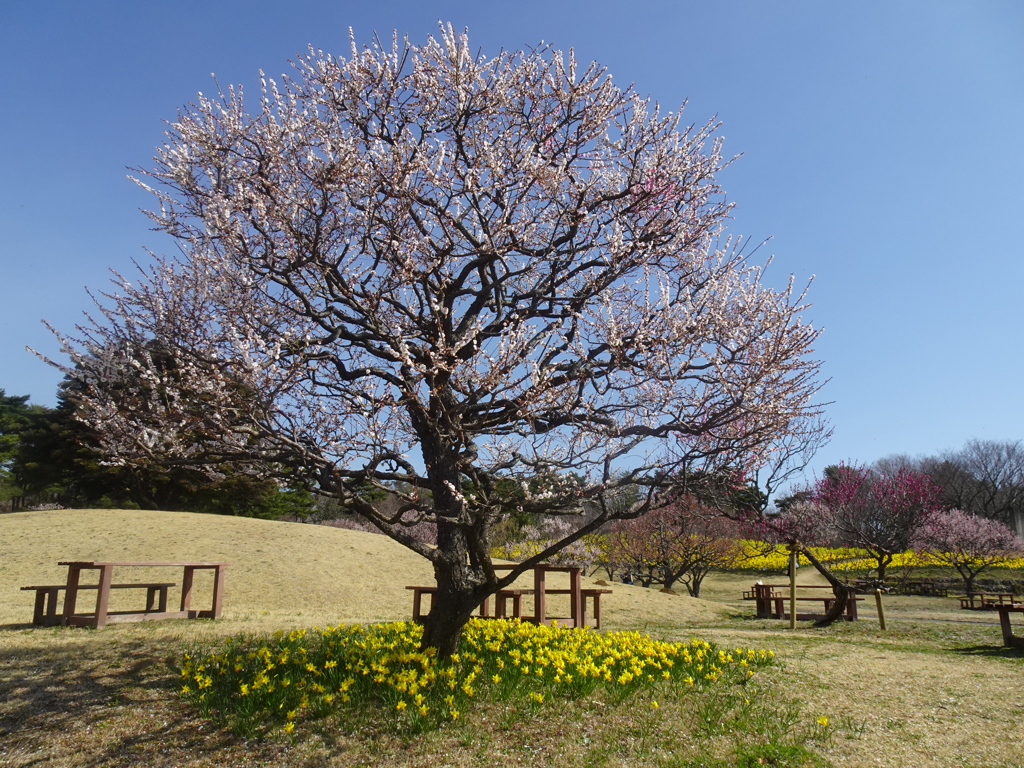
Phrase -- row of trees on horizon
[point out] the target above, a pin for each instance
(48, 457)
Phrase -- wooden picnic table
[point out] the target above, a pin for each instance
(156, 602)
(988, 600)
(578, 598)
(771, 604)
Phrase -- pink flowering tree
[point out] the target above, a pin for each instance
(967, 542)
(420, 268)
(880, 513)
(849, 506)
(681, 541)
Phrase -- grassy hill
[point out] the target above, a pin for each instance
(282, 574)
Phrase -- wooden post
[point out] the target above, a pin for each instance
(103, 595)
(881, 610)
(576, 597)
(792, 585)
(186, 588)
(218, 591)
(71, 595)
(539, 598)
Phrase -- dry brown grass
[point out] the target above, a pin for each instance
(936, 690)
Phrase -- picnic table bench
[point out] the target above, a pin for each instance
(771, 604)
(923, 588)
(47, 597)
(980, 601)
(46, 613)
(578, 598)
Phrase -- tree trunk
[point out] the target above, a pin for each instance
(460, 589)
(883, 563)
(696, 579)
(840, 590)
(968, 579)
(459, 567)
(449, 612)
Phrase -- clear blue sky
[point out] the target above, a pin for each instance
(881, 141)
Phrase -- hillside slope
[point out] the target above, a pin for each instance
(282, 574)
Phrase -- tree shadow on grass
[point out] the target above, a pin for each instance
(88, 701)
(991, 651)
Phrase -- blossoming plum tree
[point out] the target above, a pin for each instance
(874, 510)
(967, 542)
(422, 269)
(878, 512)
(682, 540)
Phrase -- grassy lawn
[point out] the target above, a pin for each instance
(936, 689)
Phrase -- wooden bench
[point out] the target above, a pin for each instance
(156, 596)
(595, 597)
(923, 588)
(500, 608)
(752, 595)
(47, 596)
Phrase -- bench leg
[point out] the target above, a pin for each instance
(539, 595)
(576, 598)
(597, 611)
(43, 602)
(186, 588)
(40, 611)
(103, 595)
(218, 591)
(71, 595)
(1004, 624)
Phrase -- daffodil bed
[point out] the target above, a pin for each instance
(758, 556)
(258, 683)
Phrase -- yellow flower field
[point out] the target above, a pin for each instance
(254, 681)
(836, 558)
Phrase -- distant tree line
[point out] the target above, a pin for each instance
(49, 457)
(984, 478)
